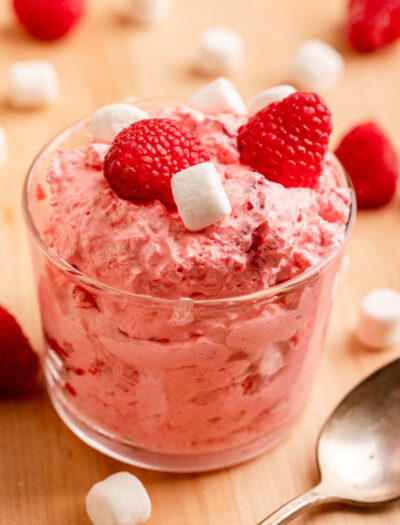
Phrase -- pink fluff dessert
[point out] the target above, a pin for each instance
(199, 373)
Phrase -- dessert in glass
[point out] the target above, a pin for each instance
(174, 349)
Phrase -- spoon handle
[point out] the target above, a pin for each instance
(296, 506)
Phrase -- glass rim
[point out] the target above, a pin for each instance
(73, 273)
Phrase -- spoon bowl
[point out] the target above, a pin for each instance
(358, 449)
(359, 446)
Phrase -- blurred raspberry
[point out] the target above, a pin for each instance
(287, 140)
(19, 365)
(144, 156)
(372, 164)
(48, 19)
(373, 23)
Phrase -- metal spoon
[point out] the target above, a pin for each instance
(358, 449)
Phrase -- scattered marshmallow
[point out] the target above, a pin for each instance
(268, 96)
(108, 121)
(3, 147)
(316, 66)
(345, 267)
(221, 50)
(379, 323)
(33, 83)
(218, 95)
(200, 196)
(120, 499)
(148, 11)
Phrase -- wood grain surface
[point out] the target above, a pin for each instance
(45, 471)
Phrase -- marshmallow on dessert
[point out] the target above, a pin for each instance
(379, 322)
(120, 499)
(148, 11)
(108, 121)
(221, 49)
(264, 98)
(316, 66)
(95, 154)
(33, 83)
(200, 196)
(3, 147)
(218, 95)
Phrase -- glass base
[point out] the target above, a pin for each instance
(139, 457)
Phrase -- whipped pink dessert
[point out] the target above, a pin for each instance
(172, 374)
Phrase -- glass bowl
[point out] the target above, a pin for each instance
(174, 385)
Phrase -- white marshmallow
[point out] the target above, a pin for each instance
(379, 322)
(221, 49)
(316, 66)
(3, 147)
(108, 121)
(344, 270)
(218, 95)
(268, 96)
(120, 499)
(95, 154)
(148, 11)
(33, 83)
(200, 196)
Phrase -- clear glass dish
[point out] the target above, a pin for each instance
(174, 385)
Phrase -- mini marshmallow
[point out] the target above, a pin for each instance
(108, 121)
(200, 196)
(218, 95)
(221, 49)
(344, 270)
(379, 322)
(3, 147)
(95, 154)
(316, 66)
(268, 96)
(33, 83)
(148, 11)
(120, 499)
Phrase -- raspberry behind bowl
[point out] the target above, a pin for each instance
(48, 19)
(183, 384)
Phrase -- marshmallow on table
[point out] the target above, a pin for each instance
(200, 196)
(316, 66)
(33, 83)
(120, 499)
(379, 323)
(108, 121)
(218, 95)
(344, 270)
(264, 98)
(148, 11)
(3, 147)
(221, 49)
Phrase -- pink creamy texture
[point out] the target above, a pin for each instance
(185, 378)
(272, 234)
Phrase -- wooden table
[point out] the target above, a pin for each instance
(45, 471)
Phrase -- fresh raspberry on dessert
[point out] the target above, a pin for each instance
(143, 157)
(373, 23)
(287, 140)
(48, 19)
(372, 164)
(19, 365)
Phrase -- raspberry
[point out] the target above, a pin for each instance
(144, 156)
(372, 164)
(287, 140)
(19, 365)
(48, 19)
(373, 23)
